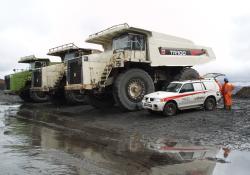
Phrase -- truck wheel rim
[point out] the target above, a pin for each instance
(136, 90)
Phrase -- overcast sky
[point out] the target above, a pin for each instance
(34, 26)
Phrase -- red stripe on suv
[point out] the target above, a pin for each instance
(182, 95)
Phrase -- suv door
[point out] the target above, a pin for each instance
(186, 96)
(200, 93)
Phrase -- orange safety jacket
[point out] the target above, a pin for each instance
(227, 89)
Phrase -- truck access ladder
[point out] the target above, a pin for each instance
(107, 70)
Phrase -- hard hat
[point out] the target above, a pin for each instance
(225, 79)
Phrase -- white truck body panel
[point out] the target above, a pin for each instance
(161, 40)
(156, 40)
(93, 68)
(92, 72)
(51, 74)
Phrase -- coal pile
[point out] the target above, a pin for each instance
(243, 92)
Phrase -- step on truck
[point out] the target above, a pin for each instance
(135, 62)
(52, 79)
(19, 83)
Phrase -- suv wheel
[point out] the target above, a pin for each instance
(210, 104)
(170, 109)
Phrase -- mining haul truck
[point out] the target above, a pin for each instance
(135, 62)
(52, 79)
(19, 83)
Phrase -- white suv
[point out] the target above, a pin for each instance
(181, 95)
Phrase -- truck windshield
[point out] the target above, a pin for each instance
(69, 56)
(173, 87)
(121, 42)
(129, 41)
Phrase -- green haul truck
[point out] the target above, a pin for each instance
(19, 83)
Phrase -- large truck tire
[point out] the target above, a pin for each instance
(187, 74)
(75, 97)
(130, 88)
(101, 101)
(38, 97)
(25, 95)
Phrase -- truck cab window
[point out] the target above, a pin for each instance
(138, 42)
(69, 56)
(129, 41)
(38, 64)
(122, 42)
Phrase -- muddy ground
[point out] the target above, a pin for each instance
(113, 142)
(10, 99)
(219, 127)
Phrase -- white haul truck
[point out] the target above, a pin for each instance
(135, 62)
(52, 79)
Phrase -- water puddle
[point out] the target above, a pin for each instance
(31, 148)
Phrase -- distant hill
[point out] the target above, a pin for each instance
(1, 84)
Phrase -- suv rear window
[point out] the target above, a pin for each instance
(209, 85)
(198, 87)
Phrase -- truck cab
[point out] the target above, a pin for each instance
(132, 44)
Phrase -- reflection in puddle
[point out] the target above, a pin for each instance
(29, 148)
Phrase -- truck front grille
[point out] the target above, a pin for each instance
(37, 78)
(74, 71)
(7, 82)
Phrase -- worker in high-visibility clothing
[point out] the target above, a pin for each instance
(227, 89)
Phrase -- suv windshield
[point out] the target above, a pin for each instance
(173, 87)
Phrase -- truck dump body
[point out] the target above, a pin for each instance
(32, 59)
(166, 50)
(178, 51)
